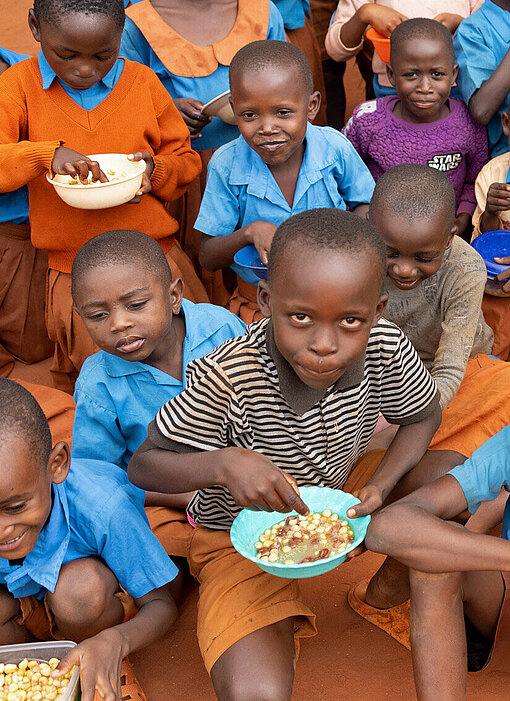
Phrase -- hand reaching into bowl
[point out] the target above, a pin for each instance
(68, 162)
(146, 186)
(503, 277)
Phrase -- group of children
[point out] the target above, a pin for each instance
(368, 363)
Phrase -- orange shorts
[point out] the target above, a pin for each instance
(237, 597)
(36, 616)
(243, 302)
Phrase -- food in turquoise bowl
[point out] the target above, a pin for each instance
(327, 503)
(249, 258)
(490, 245)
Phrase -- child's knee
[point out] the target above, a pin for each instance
(444, 585)
(84, 590)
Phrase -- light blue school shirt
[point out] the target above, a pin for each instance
(293, 12)
(485, 472)
(241, 189)
(480, 43)
(88, 99)
(14, 205)
(135, 46)
(116, 399)
(95, 512)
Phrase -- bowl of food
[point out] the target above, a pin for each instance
(28, 666)
(249, 259)
(381, 44)
(295, 546)
(124, 180)
(490, 245)
(220, 107)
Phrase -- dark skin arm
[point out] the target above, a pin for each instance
(218, 252)
(486, 101)
(405, 451)
(191, 112)
(251, 478)
(100, 657)
(413, 531)
(498, 200)
(383, 19)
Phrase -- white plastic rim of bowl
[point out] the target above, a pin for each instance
(220, 107)
(102, 195)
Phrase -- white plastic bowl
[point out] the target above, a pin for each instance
(220, 107)
(102, 195)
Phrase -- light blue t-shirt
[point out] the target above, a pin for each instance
(88, 99)
(116, 399)
(135, 46)
(95, 512)
(485, 472)
(293, 12)
(14, 205)
(480, 43)
(241, 189)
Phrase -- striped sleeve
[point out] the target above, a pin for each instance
(205, 416)
(408, 392)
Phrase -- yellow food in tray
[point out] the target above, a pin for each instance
(31, 680)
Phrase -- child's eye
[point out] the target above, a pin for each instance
(438, 74)
(392, 254)
(301, 318)
(248, 115)
(105, 58)
(425, 260)
(97, 317)
(14, 508)
(411, 74)
(284, 113)
(138, 305)
(64, 58)
(351, 322)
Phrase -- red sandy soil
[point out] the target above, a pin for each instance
(349, 660)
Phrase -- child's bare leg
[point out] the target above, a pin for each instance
(390, 584)
(84, 601)
(10, 631)
(259, 667)
(438, 636)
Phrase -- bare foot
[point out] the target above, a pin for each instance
(389, 586)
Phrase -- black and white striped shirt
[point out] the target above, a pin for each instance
(245, 394)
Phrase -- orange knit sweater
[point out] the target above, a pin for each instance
(138, 115)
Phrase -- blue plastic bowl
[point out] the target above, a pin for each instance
(490, 245)
(249, 259)
(248, 526)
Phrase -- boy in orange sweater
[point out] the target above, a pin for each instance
(79, 92)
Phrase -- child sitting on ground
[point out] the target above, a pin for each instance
(482, 49)
(422, 123)
(492, 190)
(459, 580)
(97, 103)
(77, 558)
(250, 428)
(279, 166)
(353, 17)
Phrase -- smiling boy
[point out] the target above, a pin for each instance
(293, 402)
(279, 166)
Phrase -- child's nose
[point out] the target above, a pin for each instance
(404, 269)
(425, 84)
(120, 321)
(324, 342)
(267, 125)
(84, 70)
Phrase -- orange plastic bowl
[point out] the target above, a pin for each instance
(381, 44)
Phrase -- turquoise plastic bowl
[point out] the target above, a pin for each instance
(248, 525)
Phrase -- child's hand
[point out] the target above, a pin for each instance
(504, 275)
(68, 162)
(371, 500)
(191, 112)
(450, 20)
(382, 19)
(260, 234)
(146, 179)
(3, 66)
(99, 659)
(256, 483)
(498, 198)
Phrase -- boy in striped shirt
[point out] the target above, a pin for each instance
(293, 402)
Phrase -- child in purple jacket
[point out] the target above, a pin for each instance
(422, 123)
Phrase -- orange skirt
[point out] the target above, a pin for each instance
(496, 311)
(243, 302)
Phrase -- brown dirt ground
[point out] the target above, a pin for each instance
(349, 659)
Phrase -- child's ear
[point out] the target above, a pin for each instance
(313, 105)
(381, 305)
(264, 298)
(390, 74)
(176, 291)
(455, 72)
(505, 123)
(59, 462)
(451, 236)
(33, 23)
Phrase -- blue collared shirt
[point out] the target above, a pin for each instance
(485, 472)
(88, 99)
(14, 205)
(241, 189)
(95, 512)
(480, 43)
(293, 12)
(116, 399)
(135, 46)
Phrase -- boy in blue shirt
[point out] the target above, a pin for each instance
(459, 580)
(279, 166)
(482, 50)
(77, 558)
